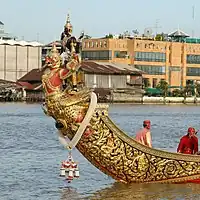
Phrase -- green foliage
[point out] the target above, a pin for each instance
(146, 83)
(177, 93)
(188, 90)
(109, 35)
(197, 89)
(159, 37)
(163, 85)
(87, 37)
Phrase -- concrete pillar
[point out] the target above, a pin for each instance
(109, 81)
(95, 81)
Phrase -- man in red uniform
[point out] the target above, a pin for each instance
(144, 135)
(188, 143)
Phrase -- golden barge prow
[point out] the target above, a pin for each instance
(88, 126)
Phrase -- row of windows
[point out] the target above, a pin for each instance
(193, 71)
(193, 59)
(150, 56)
(149, 69)
(95, 44)
(97, 55)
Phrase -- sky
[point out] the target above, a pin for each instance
(44, 20)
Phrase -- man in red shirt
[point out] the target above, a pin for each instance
(144, 135)
(188, 143)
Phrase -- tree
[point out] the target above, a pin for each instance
(177, 93)
(163, 85)
(188, 90)
(109, 35)
(87, 37)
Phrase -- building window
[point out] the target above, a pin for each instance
(97, 55)
(92, 44)
(193, 71)
(120, 54)
(150, 56)
(193, 59)
(100, 43)
(153, 70)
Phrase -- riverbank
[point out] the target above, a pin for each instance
(170, 100)
(123, 99)
(160, 100)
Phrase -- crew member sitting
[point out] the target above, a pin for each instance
(188, 143)
(144, 135)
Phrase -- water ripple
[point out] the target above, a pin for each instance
(31, 154)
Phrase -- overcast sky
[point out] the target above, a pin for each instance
(44, 19)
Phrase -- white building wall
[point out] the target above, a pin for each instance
(16, 60)
(1, 61)
(33, 58)
(10, 64)
(106, 81)
(22, 56)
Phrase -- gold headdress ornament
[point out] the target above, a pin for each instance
(68, 24)
(53, 59)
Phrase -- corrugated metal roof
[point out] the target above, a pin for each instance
(178, 33)
(20, 43)
(109, 68)
(33, 75)
(58, 43)
(89, 67)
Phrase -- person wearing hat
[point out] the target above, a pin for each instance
(144, 135)
(188, 143)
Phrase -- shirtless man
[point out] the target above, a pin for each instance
(144, 135)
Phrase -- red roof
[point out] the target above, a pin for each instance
(35, 75)
(26, 85)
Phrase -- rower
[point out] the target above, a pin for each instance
(144, 135)
(188, 143)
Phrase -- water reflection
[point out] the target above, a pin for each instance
(31, 154)
(69, 193)
(148, 191)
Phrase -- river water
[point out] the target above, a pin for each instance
(31, 154)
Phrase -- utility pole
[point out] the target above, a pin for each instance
(157, 26)
(38, 36)
(193, 17)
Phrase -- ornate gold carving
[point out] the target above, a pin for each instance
(106, 146)
(119, 156)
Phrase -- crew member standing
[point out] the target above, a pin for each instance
(188, 143)
(144, 135)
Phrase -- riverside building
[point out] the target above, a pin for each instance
(17, 57)
(176, 60)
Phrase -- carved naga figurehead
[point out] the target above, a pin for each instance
(53, 60)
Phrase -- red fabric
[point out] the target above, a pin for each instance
(191, 130)
(26, 85)
(147, 123)
(188, 145)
